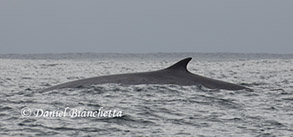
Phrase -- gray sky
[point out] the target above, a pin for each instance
(140, 26)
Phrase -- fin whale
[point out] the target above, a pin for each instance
(176, 74)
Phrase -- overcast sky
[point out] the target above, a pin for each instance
(142, 26)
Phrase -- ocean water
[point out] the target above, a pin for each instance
(145, 110)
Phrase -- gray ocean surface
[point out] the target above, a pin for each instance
(147, 110)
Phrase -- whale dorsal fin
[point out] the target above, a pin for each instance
(180, 65)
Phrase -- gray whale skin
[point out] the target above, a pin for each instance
(176, 74)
